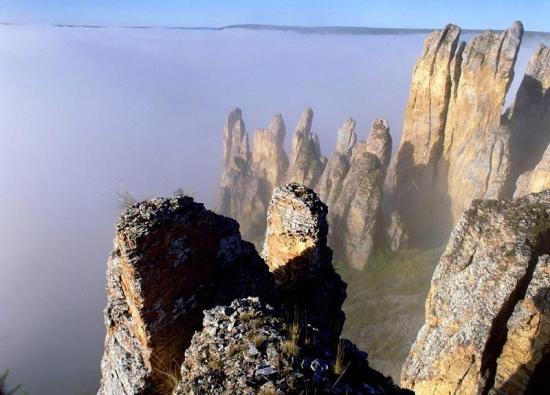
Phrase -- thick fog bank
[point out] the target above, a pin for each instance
(83, 111)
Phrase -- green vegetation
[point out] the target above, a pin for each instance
(385, 305)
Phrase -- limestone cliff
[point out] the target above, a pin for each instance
(486, 328)
(171, 260)
(356, 214)
(330, 184)
(306, 162)
(269, 159)
(242, 193)
(454, 148)
(174, 261)
(423, 132)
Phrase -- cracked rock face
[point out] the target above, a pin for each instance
(171, 259)
(454, 147)
(486, 328)
(356, 214)
(296, 252)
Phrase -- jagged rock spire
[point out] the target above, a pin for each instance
(330, 183)
(356, 213)
(269, 159)
(306, 162)
(454, 148)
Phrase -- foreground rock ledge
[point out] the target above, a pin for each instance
(171, 260)
(245, 348)
(487, 324)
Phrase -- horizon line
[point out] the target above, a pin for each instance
(320, 29)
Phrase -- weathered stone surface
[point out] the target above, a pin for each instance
(476, 149)
(306, 162)
(242, 193)
(488, 292)
(454, 148)
(356, 214)
(529, 117)
(423, 130)
(245, 348)
(522, 367)
(171, 260)
(297, 254)
(330, 184)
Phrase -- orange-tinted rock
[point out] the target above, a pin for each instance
(296, 252)
(171, 260)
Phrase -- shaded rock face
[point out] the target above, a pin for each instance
(296, 252)
(535, 180)
(529, 117)
(242, 193)
(456, 99)
(171, 260)
(306, 162)
(245, 348)
(486, 328)
(356, 213)
(269, 159)
(330, 183)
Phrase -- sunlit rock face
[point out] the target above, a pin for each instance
(306, 162)
(356, 214)
(171, 259)
(297, 254)
(487, 313)
(454, 148)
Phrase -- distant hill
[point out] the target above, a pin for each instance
(354, 30)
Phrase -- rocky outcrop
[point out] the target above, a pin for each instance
(457, 97)
(171, 260)
(423, 131)
(242, 192)
(297, 254)
(479, 170)
(330, 184)
(245, 348)
(269, 159)
(306, 162)
(486, 328)
(529, 117)
(356, 214)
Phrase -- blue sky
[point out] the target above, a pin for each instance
(535, 14)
